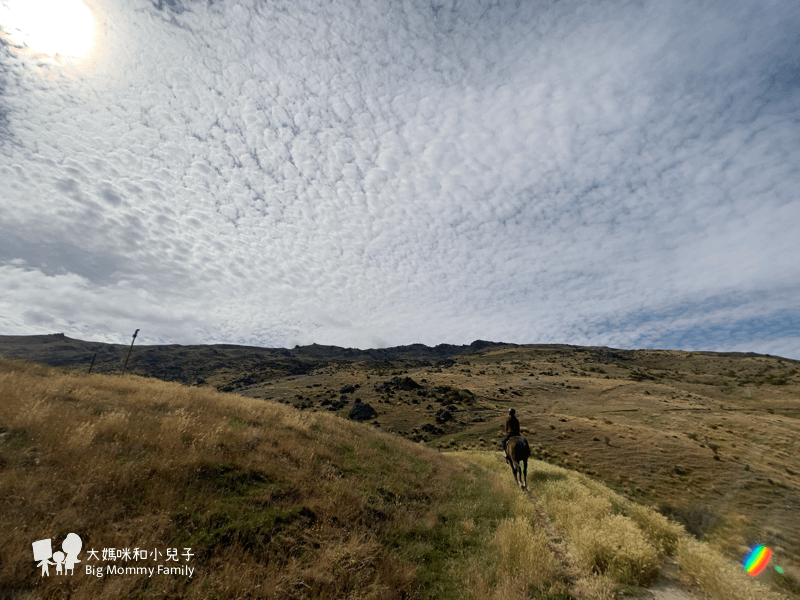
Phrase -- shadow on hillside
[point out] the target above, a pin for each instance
(541, 476)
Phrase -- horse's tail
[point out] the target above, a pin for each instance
(522, 449)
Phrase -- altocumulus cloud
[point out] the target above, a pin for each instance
(368, 174)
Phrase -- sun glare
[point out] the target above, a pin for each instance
(52, 27)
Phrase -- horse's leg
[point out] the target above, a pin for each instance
(513, 470)
(517, 473)
(512, 461)
(525, 474)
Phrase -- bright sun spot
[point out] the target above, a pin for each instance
(64, 27)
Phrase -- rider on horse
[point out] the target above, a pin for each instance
(511, 428)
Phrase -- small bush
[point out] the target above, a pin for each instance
(696, 519)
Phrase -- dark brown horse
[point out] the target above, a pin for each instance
(518, 451)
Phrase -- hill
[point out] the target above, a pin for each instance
(221, 365)
(707, 438)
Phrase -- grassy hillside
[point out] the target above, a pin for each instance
(277, 502)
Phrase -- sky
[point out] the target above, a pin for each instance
(373, 174)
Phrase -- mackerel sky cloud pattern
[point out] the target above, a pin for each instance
(369, 174)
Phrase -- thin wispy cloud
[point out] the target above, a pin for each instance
(615, 173)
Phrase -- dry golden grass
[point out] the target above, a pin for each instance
(717, 576)
(280, 503)
(619, 542)
(525, 558)
(594, 587)
(274, 503)
(517, 563)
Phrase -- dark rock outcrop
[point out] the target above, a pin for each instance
(404, 384)
(432, 429)
(361, 411)
(443, 416)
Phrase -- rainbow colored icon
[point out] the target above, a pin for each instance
(758, 558)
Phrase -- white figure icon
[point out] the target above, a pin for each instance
(59, 558)
(43, 551)
(72, 546)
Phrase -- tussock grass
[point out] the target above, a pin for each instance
(595, 587)
(279, 503)
(516, 562)
(273, 502)
(717, 576)
(525, 560)
(619, 543)
(608, 543)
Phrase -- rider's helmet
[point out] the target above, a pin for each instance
(511, 411)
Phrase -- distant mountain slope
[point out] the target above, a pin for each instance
(199, 363)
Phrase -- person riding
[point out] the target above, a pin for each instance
(511, 428)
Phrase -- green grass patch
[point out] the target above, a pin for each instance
(16, 438)
(452, 535)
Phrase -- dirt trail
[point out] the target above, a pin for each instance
(668, 586)
(669, 591)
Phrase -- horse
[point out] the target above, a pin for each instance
(518, 451)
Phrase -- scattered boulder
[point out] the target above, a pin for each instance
(347, 389)
(432, 429)
(361, 411)
(336, 404)
(443, 416)
(405, 384)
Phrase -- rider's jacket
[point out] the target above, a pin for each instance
(512, 425)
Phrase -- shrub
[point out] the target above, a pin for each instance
(696, 519)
